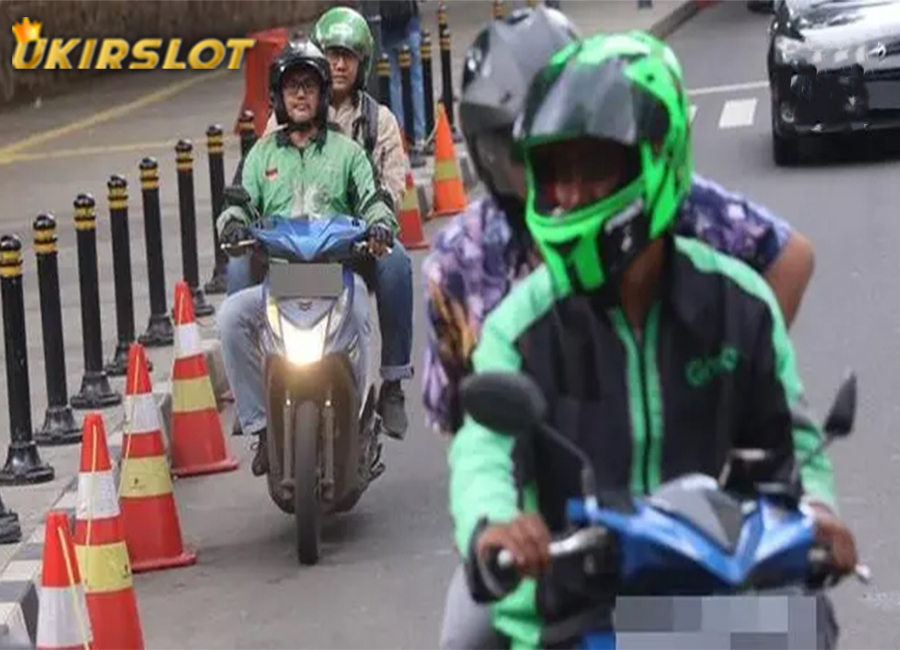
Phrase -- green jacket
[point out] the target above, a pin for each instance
(332, 174)
(713, 369)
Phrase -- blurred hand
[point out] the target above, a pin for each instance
(836, 536)
(526, 537)
(380, 238)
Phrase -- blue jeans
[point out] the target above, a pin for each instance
(394, 292)
(392, 41)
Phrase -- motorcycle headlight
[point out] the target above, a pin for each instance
(304, 346)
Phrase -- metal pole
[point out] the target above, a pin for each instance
(371, 9)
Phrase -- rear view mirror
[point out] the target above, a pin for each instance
(236, 195)
(839, 422)
(505, 402)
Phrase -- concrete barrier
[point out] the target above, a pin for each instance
(192, 21)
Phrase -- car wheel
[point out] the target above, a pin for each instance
(785, 150)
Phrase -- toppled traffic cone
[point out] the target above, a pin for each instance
(449, 193)
(63, 621)
(410, 218)
(152, 529)
(101, 549)
(198, 443)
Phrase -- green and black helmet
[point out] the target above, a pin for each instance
(623, 88)
(346, 28)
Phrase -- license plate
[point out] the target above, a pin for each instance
(884, 95)
(306, 280)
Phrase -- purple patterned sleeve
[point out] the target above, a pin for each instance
(732, 224)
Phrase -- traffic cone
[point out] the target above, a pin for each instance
(411, 235)
(152, 530)
(449, 193)
(101, 549)
(63, 621)
(198, 443)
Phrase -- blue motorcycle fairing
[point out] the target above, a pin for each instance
(304, 239)
(659, 551)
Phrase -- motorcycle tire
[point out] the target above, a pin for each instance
(307, 509)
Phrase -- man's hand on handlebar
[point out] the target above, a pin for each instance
(834, 535)
(527, 538)
(380, 238)
(234, 232)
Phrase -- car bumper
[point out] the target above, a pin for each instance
(807, 101)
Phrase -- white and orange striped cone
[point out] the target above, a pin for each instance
(101, 549)
(198, 442)
(149, 513)
(63, 622)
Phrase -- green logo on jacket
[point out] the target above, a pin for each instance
(702, 370)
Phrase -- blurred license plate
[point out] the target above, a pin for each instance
(884, 94)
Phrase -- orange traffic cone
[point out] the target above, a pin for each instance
(100, 547)
(152, 530)
(198, 443)
(411, 235)
(449, 192)
(63, 622)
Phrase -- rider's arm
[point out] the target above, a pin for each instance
(390, 157)
(743, 229)
(251, 180)
(366, 200)
(778, 409)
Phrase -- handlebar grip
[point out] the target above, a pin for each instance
(499, 572)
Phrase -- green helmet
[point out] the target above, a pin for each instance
(627, 88)
(344, 27)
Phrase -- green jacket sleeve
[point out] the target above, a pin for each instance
(251, 177)
(367, 201)
(482, 483)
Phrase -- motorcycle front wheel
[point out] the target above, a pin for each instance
(307, 510)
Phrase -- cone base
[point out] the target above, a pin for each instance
(447, 212)
(187, 558)
(225, 465)
(414, 246)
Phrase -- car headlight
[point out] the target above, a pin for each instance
(788, 50)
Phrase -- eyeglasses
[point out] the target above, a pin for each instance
(295, 85)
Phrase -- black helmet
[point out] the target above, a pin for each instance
(498, 69)
(297, 54)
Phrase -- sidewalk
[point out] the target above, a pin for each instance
(43, 170)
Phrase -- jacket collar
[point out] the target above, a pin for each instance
(283, 138)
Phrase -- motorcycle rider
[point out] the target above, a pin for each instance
(613, 320)
(304, 169)
(344, 36)
(481, 253)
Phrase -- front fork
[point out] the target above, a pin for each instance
(326, 473)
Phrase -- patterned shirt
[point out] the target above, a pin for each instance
(472, 266)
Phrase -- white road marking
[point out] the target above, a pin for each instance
(737, 113)
(731, 88)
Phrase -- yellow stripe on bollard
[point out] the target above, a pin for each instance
(445, 170)
(145, 477)
(104, 568)
(192, 395)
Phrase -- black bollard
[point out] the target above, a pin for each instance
(248, 139)
(117, 200)
(428, 89)
(59, 427)
(384, 82)
(159, 332)
(10, 528)
(23, 462)
(415, 156)
(499, 11)
(187, 208)
(95, 389)
(216, 153)
(447, 72)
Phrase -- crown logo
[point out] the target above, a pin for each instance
(27, 31)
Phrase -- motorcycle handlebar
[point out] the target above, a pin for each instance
(236, 248)
(502, 565)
